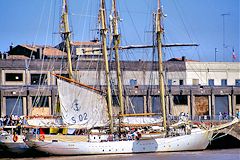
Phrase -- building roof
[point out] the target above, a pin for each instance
(46, 50)
(182, 59)
(31, 47)
(50, 51)
(17, 57)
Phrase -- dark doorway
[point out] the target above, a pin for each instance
(136, 104)
(14, 106)
(221, 105)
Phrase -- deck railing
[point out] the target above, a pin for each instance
(204, 118)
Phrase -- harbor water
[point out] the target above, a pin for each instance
(221, 154)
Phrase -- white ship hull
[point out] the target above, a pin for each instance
(7, 143)
(198, 140)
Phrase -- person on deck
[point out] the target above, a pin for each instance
(129, 136)
(238, 114)
(220, 116)
(1, 121)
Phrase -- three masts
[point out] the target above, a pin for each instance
(116, 42)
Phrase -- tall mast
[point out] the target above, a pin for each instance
(116, 39)
(66, 35)
(105, 55)
(160, 63)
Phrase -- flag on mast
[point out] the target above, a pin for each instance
(234, 56)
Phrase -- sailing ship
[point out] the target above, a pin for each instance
(89, 110)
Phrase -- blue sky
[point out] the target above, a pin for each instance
(187, 21)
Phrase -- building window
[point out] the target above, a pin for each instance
(79, 51)
(115, 101)
(112, 82)
(223, 82)
(40, 101)
(133, 82)
(180, 100)
(14, 106)
(180, 82)
(156, 105)
(14, 76)
(37, 79)
(169, 82)
(211, 82)
(195, 81)
(237, 99)
(136, 104)
(63, 75)
(237, 82)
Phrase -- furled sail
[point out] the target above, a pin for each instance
(44, 122)
(128, 121)
(82, 107)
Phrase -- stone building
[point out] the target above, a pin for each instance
(196, 88)
(84, 50)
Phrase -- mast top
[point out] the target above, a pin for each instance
(66, 35)
(159, 3)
